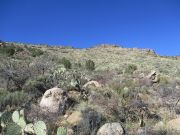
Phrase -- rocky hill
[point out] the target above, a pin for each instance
(103, 90)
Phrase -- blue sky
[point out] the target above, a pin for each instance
(83, 23)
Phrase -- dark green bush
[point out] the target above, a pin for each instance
(7, 50)
(90, 65)
(130, 69)
(39, 85)
(35, 52)
(12, 98)
(66, 63)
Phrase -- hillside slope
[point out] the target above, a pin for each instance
(83, 89)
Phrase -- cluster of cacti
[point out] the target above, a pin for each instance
(39, 128)
(18, 118)
(61, 131)
(15, 124)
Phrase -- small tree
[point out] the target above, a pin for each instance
(16, 72)
(90, 65)
(41, 64)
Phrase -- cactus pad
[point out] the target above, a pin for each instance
(18, 118)
(40, 128)
(61, 131)
(21, 122)
(13, 129)
(15, 116)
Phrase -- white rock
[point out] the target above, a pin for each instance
(53, 99)
(111, 129)
(95, 83)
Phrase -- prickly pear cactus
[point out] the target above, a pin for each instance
(13, 129)
(21, 112)
(61, 131)
(40, 128)
(22, 122)
(6, 118)
(15, 116)
(18, 118)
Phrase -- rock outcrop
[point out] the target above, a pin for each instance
(150, 79)
(54, 100)
(94, 83)
(111, 129)
(75, 118)
(153, 76)
(174, 124)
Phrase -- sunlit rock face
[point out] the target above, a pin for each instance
(54, 100)
(111, 129)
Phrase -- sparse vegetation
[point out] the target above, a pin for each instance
(115, 89)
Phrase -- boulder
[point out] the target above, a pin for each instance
(150, 79)
(75, 118)
(75, 95)
(143, 96)
(54, 100)
(174, 125)
(159, 125)
(94, 83)
(111, 129)
(153, 76)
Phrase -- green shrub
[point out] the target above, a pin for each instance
(66, 63)
(7, 50)
(90, 65)
(130, 69)
(12, 99)
(123, 86)
(39, 85)
(35, 52)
